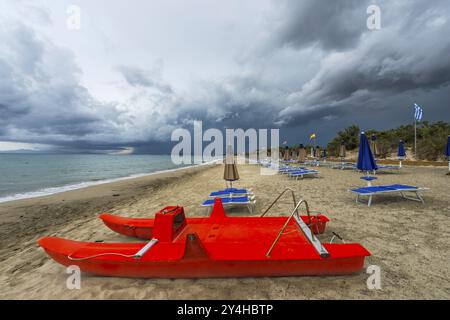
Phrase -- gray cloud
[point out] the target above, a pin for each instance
(331, 25)
(316, 63)
(138, 77)
(41, 99)
(385, 64)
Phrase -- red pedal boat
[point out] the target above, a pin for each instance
(142, 228)
(217, 246)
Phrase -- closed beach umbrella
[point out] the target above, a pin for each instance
(366, 162)
(374, 145)
(317, 152)
(302, 153)
(342, 151)
(401, 150)
(448, 153)
(230, 173)
(294, 153)
(401, 154)
(286, 153)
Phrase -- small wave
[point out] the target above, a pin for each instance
(54, 190)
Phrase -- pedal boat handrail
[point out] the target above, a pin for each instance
(293, 198)
(305, 229)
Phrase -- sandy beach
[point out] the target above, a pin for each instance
(408, 240)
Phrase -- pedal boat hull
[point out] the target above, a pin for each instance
(213, 247)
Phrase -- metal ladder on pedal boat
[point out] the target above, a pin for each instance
(302, 225)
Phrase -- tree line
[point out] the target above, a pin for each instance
(431, 139)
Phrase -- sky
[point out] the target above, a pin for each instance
(136, 70)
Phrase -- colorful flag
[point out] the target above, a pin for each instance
(418, 112)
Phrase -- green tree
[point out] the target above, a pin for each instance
(431, 139)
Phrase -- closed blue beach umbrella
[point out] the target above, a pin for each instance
(401, 150)
(366, 162)
(448, 147)
(401, 154)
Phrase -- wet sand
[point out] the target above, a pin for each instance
(409, 241)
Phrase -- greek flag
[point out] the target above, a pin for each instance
(418, 112)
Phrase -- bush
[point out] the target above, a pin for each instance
(350, 136)
(431, 139)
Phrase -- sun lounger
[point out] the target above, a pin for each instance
(312, 163)
(385, 189)
(325, 164)
(290, 169)
(236, 201)
(231, 192)
(387, 167)
(302, 173)
(344, 166)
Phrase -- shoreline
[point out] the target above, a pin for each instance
(48, 191)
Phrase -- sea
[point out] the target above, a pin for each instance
(24, 176)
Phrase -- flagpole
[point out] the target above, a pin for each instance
(415, 138)
(315, 148)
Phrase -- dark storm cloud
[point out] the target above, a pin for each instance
(319, 64)
(41, 99)
(328, 24)
(387, 63)
(359, 69)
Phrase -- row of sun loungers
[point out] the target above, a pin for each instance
(297, 172)
(352, 166)
(243, 197)
(408, 192)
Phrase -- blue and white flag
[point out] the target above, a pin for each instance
(418, 112)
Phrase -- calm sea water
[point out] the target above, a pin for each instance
(31, 175)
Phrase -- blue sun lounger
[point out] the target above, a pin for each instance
(302, 173)
(231, 192)
(288, 170)
(387, 167)
(312, 163)
(242, 201)
(385, 189)
(344, 166)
